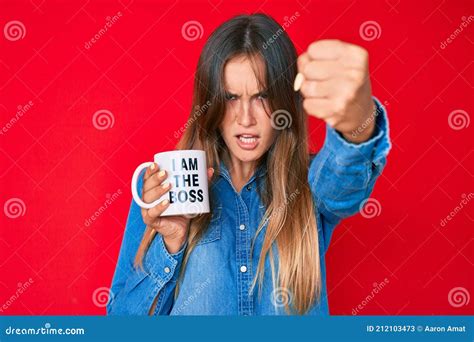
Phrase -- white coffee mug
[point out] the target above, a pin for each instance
(187, 174)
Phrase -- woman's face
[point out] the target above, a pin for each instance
(246, 127)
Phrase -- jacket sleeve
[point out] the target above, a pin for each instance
(133, 290)
(343, 174)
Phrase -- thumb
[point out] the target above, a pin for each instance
(302, 61)
(210, 173)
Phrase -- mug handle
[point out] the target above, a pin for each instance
(135, 195)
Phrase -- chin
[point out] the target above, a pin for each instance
(247, 156)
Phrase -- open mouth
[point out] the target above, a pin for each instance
(247, 141)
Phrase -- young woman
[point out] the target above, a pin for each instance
(261, 249)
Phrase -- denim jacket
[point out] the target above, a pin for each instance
(221, 268)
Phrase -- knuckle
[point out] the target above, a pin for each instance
(155, 211)
(308, 105)
(356, 75)
(313, 47)
(362, 52)
(306, 89)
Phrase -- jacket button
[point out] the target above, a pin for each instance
(249, 187)
(242, 227)
(243, 269)
(167, 269)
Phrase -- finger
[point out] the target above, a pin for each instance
(164, 228)
(316, 89)
(151, 170)
(327, 49)
(162, 224)
(210, 173)
(156, 192)
(302, 60)
(355, 57)
(146, 218)
(158, 209)
(156, 179)
(319, 108)
(321, 70)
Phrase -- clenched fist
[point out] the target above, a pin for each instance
(334, 81)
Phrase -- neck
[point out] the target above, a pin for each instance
(240, 171)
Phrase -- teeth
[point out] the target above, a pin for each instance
(246, 140)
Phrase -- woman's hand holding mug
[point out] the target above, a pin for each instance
(175, 188)
(174, 229)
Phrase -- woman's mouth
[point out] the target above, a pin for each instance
(247, 141)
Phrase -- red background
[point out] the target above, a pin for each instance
(141, 70)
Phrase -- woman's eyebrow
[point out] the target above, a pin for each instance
(228, 93)
(260, 93)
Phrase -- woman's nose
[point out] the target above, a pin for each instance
(245, 116)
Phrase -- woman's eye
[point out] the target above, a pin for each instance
(229, 97)
(263, 96)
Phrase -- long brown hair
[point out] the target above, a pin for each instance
(291, 222)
